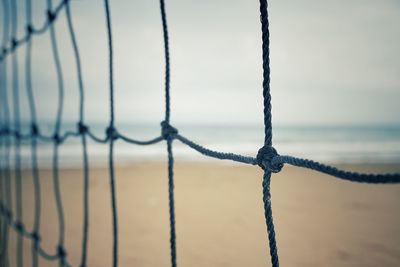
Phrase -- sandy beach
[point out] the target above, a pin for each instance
(319, 220)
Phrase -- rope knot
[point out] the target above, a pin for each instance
(50, 16)
(14, 43)
(61, 252)
(19, 226)
(111, 133)
(34, 129)
(82, 128)
(57, 138)
(36, 237)
(167, 131)
(4, 131)
(265, 158)
(17, 135)
(8, 214)
(29, 29)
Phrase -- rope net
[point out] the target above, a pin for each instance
(11, 138)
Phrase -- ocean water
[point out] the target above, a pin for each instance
(329, 144)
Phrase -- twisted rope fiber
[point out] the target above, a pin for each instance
(82, 129)
(171, 202)
(6, 184)
(369, 178)
(168, 132)
(30, 29)
(17, 143)
(56, 186)
(112, 136)
(34, 130)
(273, 250)
(267, 158)
(267, 151)
(19, 225)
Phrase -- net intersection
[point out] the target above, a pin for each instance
(267, 157)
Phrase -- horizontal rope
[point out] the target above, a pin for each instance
(215, 154)
(20, 229)
(61, 138)
(31, 30)
(371, 178)
(374, 178)
(267, 157)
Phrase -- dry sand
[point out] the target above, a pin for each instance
(319, 220)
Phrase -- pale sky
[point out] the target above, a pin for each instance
(332, 62)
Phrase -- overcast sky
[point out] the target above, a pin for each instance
(332, 62)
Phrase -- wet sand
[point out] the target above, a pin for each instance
(319, 220)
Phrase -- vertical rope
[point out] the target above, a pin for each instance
(266, 72)
(111, 59)
(3, 221)
(56, 138)
(31, 98)
(17, 128)
(82, 131)
(267, 131)
(267, 158)
(169, 138)
(6, 176)
(171, 202)
(111, 135)
(6, 122)
(167, 67)
(34, 133)
(273, 250)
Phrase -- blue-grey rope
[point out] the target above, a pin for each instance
(34, 132)
(167, 131)
(167, 65)
(6, 121)
(371, 178)
(268, 217)
(266, 73)
(33, 31)
(267, 157)
(17, 142)
(274, 161)
(20, 229)
(216, 154)
(82, 129)
(140, 142)
(56, 138)
(171, 202)
(111, 134)
(268, 133)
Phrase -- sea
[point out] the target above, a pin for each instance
(367, 144)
